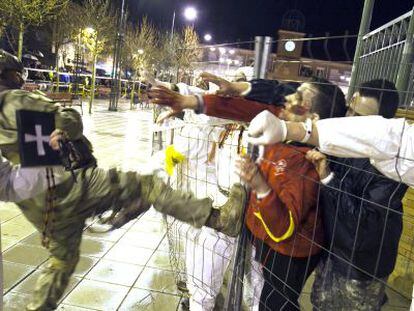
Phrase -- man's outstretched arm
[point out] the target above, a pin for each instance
(233, 108)
(352, 137)
(389, 143)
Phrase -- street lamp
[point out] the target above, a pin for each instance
(89, 30)
(222, 50)
(207, 37)
(190, 14)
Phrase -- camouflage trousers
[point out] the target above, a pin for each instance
(96, 192)
(333, 291)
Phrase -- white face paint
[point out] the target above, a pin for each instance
(362, 106)
(298, 104)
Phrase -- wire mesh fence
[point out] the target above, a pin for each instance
(332, 246)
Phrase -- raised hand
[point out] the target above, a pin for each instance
(320, 161)
(266, 129)
(250, 174)
(163, 96)
(226, 88)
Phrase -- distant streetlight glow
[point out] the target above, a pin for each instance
(89, 30)
(232, 52)
(190, 14)
(212, 49)
(207, 37)
(222, 50)
(140, 51)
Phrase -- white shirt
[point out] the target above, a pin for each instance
(389, 143)
(18, 184)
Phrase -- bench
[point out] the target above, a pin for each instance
(66, 99)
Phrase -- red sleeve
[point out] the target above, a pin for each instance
(235, 108)
(293, 189)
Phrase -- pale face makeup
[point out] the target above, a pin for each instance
(362, 106)
(298, 104)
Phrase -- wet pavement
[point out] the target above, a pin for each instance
(127, 269)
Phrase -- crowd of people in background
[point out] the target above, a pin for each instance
(335, 211)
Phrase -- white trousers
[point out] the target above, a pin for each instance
(208, 254)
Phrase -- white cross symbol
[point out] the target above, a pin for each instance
(38, 138)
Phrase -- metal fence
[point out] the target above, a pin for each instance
(202, 259)
(387, 54)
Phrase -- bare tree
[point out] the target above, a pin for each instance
(179, 52)
(23, 13)
(140, 50)
(141, 46)
(61, 31)
(186, 52)
(97, 29)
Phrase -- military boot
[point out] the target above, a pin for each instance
(181, 205)
(228, 219)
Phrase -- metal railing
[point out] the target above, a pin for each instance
(386, 53)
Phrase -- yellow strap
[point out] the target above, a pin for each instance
(172, 158)
(285, 236)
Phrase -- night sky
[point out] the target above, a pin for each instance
(233, 20)
(241, 20)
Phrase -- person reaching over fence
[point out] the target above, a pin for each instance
(203, 247)
(362, 216)
(284, 213)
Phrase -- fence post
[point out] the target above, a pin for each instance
(363, 30)
(262, 50)
(406, 64)
(234, 299)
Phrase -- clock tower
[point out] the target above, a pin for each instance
(287, 46)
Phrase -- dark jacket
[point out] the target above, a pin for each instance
(362, 215)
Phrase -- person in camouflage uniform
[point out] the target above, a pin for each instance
(96, 191)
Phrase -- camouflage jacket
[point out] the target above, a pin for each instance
(66, 119)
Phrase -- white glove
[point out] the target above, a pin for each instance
(266, 129)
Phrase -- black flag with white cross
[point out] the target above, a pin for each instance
(34, 129)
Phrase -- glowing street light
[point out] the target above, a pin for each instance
(190, 14)
(207, 37)
(222, 50)
(89, 30)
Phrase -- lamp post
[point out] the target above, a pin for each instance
(190, 14)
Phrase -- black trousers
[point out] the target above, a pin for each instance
(284, 278)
